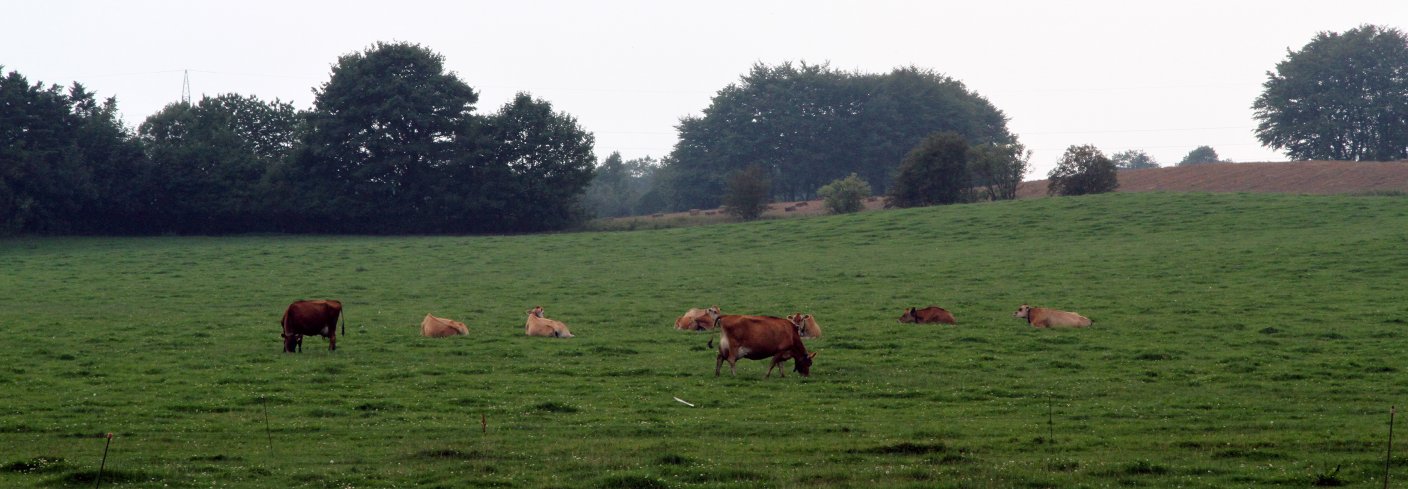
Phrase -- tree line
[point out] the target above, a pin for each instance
(392, 145)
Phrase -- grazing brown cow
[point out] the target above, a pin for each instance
(806, 325)
(537, 325)
(759, 337)
(697, 319)
(311, 318)
(1042, 317)
(931, 314)
(436, 327)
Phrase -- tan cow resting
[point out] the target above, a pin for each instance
(538, 325)
(1042, 317)
(436, 327)
(806, 325)
(697, 319)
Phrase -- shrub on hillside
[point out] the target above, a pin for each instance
(845, 195)
(747, 195)
(1082, 170)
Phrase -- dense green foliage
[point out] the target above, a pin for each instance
(845, 195)
(212, 160)
(1082, 170)
(809, 125)
(1343, 96)
(392, 145)
(1239, 341)
(935, 172)
(66, 162)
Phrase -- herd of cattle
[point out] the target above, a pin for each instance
(740, 336)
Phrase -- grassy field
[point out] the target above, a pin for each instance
(1239, 341)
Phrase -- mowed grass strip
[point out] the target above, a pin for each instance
(1239, 341)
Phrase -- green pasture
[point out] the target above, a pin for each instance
(1239, 341)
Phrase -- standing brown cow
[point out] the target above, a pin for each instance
(311, 318)
(1041, 317)
(759, 337)
(931, 314)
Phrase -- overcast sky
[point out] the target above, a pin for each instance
(1121, 75)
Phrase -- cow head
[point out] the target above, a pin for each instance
(536, 311)
(713, 313)
(803, 364)
(1022, 311)
(908, 316)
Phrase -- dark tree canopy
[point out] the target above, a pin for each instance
(810, 124)
(1341, 97)
(211, 160)
(1199, 156)
(384, 133)
(548, 160)
(67, 165)
(935, 172)
(1082, 170)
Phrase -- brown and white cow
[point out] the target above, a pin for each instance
(697, 319)
(438, 327)
(806, 325)
(311, 318)
(538, 325)
(931, 314)
(1042, 317)
(759, 337)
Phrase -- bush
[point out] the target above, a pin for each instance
(934, 172)
(845, 195)
(1082, 170)
(748, 192)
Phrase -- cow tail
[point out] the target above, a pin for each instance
(344, 323)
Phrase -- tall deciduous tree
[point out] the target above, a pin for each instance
(386, 132)
(811, 124)
(1082, 170)
(211, 160)
(934, 172)
(549, 162)
(1341, 97)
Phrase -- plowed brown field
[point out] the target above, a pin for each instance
(1300, 177)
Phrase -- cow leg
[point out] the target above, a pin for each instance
(718, 363)
(332, 342)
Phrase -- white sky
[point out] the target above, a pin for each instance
(1164, 78)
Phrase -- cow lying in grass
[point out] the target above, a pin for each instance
(931, 314)
(1042, 317)
(437, 327)
(806, 325)
(537, 325)
(697, 319)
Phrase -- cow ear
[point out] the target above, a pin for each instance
(811, 355)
